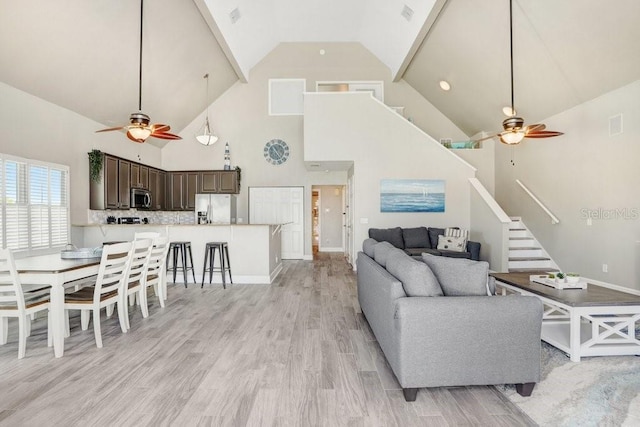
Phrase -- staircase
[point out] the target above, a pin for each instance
(525, 253)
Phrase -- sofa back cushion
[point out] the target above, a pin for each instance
(417, 278)
(433, 236)
(416, 238)
(367, 246)
(391, 235)
(381, 252)
(458, 276)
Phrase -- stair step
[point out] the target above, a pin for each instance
(517, 229)
(531, 270)
(524, 248)
(529, 258)
(520, 238)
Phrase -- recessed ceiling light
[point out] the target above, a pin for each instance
(444, 85)
(507, 111)
(322, 52)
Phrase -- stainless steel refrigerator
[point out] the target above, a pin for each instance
(215, 209)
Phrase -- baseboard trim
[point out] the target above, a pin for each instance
(325, 249)
(614, 287)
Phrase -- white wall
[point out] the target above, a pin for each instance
(484, 160)
(357, 127)
(240, 116)
(586, 170)
(33, 128)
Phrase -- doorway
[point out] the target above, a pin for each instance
(328, 218)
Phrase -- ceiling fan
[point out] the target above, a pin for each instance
(514, 128)
(139, 129)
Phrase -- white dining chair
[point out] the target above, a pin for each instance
(136, 278)
(146, 235)
(19, 303)
(156, 273)
(107, 290)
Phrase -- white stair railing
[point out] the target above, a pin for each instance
(554, 219)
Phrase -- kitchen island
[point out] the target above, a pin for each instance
(254, 249)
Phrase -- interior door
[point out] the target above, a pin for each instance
(281, 205)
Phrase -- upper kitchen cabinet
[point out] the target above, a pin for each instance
(224, 182)
(140, 176)
(183, 187)
(157, 188)
(112, 191)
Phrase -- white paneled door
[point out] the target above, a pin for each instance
(281, 205)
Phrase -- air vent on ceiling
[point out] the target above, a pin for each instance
(407, 12)
(234, 15)
(615, 125)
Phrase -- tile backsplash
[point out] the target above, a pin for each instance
(154, 217)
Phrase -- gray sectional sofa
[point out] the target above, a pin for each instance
(438, 325)
(418, 240)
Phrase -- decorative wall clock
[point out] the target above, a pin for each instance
(276, 151)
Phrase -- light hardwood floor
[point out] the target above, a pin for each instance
(297, 352)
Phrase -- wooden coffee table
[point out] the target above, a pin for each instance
(596, 321)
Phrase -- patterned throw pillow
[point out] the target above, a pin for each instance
(455, 244)
(456, 232)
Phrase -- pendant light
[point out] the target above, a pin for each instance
(205, 136)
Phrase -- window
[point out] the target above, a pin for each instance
(34, 204)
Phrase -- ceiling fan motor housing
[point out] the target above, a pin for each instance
(513, 123)
(139, 119)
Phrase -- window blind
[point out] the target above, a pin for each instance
(34, 205)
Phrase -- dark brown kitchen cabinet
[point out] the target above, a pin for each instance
(124, 184)
(225, 182)
(183, 187)
(139, 176)
(156, 187)
(112, 190)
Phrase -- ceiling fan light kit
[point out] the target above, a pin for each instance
(139, 129)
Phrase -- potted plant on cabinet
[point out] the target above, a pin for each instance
(96, 159)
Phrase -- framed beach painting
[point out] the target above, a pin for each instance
(412, 195)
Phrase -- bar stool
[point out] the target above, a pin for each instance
(179, 250)
(225, 265)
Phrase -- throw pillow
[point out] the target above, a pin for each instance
(456, 244)
(381, 251)
(391, 235)
(416, 238)
(417, 278)
(459, 276)
(367, 246)
(456, 232)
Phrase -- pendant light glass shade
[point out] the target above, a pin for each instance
(205, 136)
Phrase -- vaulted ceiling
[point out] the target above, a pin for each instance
(83, 55)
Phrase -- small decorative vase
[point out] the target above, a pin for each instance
(573, 279)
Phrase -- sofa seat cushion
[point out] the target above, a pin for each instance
(417, 278)
(459, 277)
(419, 251)
(454, 254)
(381, 252)
(391, 235)
(417, 237)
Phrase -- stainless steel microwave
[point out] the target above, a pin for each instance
(140, 198)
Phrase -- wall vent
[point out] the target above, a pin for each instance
(407, 13)
(615, 125)
(234, 15)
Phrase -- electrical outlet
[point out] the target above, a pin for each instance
(605, 268)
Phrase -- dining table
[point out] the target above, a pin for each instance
(57, 273)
